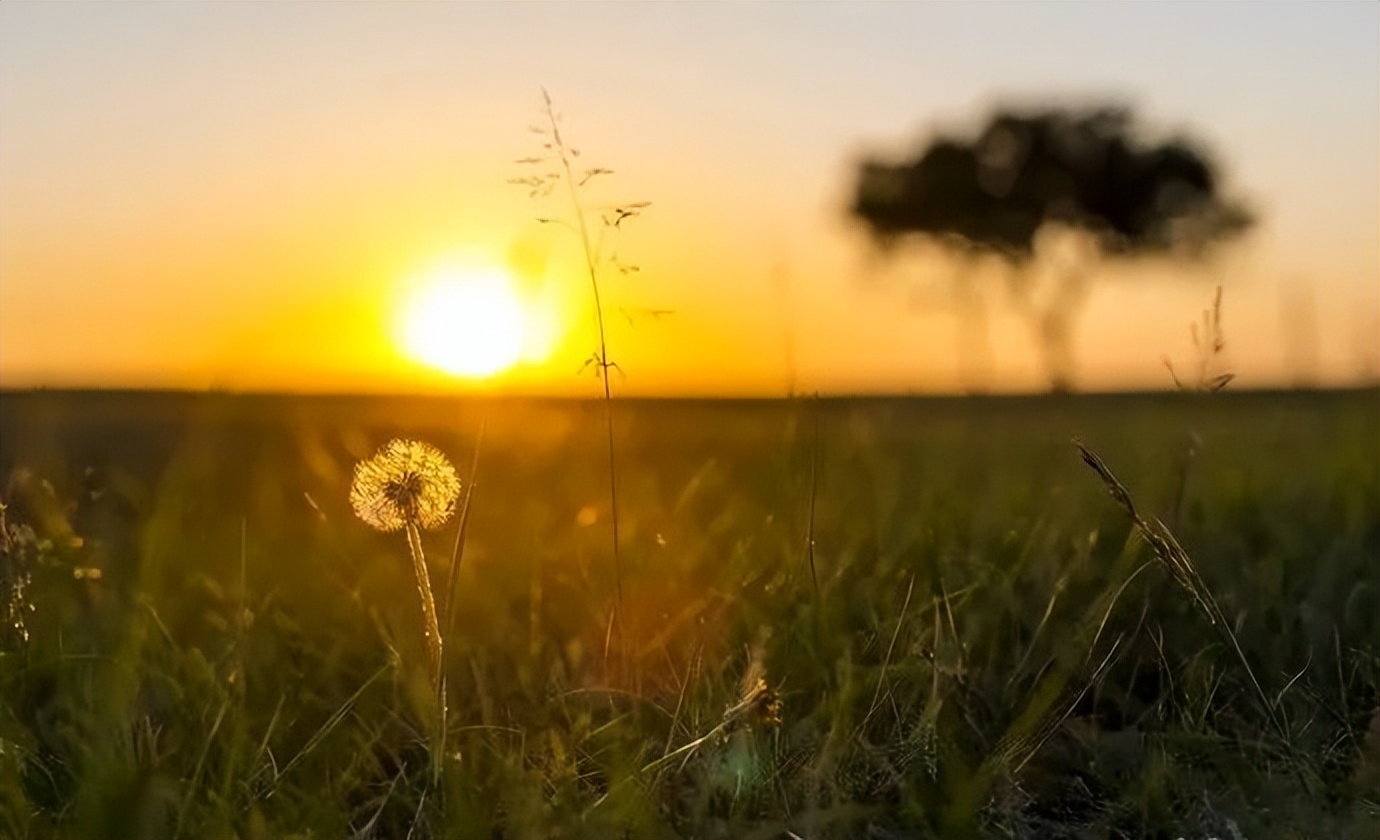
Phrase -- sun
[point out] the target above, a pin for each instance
(467, 323)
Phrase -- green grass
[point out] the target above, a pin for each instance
(991, 650)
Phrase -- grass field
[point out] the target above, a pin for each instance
(957, 630)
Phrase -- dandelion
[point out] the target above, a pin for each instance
(409, 485)
(407, 482)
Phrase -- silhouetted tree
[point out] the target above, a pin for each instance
(1028, 176)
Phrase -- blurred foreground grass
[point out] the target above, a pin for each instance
(202, 641)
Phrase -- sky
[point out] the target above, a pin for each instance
(244, 196)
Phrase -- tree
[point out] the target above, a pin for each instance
(1032, 179)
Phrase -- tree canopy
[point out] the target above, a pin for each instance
(1090, 168)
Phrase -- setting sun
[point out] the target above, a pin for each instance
(468, 323)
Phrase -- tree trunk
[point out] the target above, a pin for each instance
(973, 343)
(1057, 349)
(1055, 328)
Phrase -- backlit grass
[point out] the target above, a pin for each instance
(217, 647)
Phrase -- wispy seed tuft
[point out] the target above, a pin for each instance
(407, 481)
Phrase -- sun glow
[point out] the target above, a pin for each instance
(468, 323)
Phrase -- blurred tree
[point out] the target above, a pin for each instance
(1050, 192)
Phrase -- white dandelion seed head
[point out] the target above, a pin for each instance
(406, 481)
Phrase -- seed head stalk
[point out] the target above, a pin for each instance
(431, 627)
(602, 362)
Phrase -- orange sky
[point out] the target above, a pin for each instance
(240, 195)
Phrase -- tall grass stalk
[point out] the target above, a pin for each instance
(814, 496)
(457, 552)
(1208, 345)
(1182, 569)
(452, 574)
(542, 184)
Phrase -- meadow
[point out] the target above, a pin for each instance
(880, 618)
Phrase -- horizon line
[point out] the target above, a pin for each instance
(1305, 389)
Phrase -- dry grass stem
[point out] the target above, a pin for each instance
(757, 704)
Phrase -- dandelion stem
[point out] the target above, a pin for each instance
(432, 629)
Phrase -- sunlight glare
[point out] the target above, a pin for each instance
(468, 323)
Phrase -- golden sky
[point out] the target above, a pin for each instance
(244, 195)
